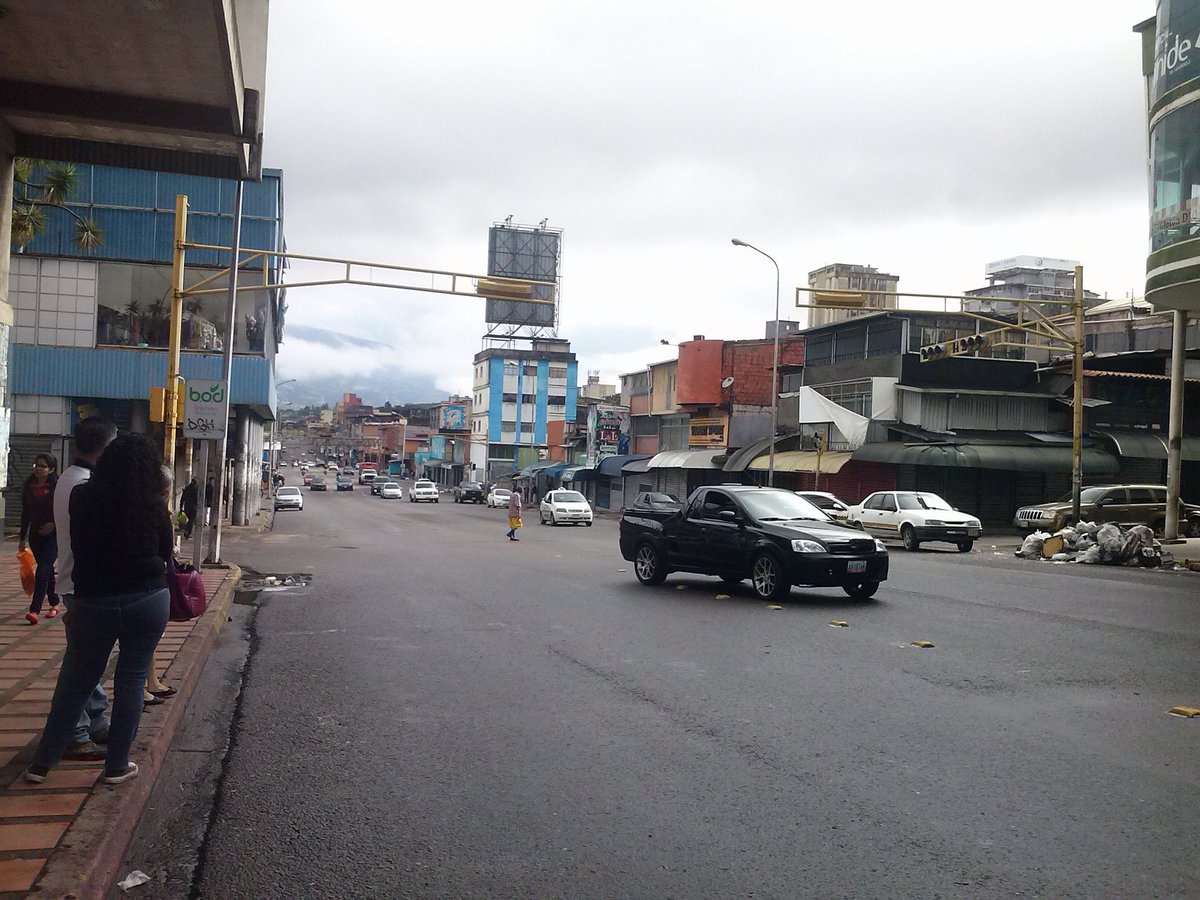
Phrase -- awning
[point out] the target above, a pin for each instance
(611, 465)
(534, 468)
(684, 459)
(739, 460)
(803, 461)
(636, 466)
(1017, 458)
(1148, 444)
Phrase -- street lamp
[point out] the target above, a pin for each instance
(774, 365)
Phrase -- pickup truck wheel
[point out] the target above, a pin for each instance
(648, 565)
(766, 575)
(862, 590)
(909, 537)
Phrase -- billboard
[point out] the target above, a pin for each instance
(452, 417)
(607, 432)
(517, 251)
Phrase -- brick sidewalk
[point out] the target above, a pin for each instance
(66, 834)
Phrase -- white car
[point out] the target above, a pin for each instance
(389, 490)
(366, 476)
(423, 490)
(499, 497)
(288, 497)
(565, 508)
(831, 505)
(914, 516)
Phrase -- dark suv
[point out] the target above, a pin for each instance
(1121, 504)
(469, 492)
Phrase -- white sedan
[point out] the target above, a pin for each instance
(288, 497)
(565, 508)
(499, 497)
(389, 490)
(423, 490)
(915, 516)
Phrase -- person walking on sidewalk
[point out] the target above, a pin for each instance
(91, 437)
(122, 538)
(514, 515)
(190, 500)
(37, 523)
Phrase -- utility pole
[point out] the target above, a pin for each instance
(1077, 400)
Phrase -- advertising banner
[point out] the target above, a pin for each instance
(607, 432)
(453, 417)
(204, 409)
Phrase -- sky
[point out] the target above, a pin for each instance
(923, 138)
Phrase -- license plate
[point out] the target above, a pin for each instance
(856, 565)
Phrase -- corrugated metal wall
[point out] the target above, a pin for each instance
(947, 412)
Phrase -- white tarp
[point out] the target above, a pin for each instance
(816, 409)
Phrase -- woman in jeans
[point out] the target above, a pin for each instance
(37, 523)
(121, 538)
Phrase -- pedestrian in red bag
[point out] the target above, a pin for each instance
(37, 523)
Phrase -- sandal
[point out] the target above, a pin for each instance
(165, 692)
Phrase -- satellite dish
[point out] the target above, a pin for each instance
(726, 382)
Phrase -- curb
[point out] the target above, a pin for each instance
(88, 858)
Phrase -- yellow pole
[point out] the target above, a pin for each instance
(1077, 404)
(170, 414)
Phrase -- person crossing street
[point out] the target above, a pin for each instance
(514, 515)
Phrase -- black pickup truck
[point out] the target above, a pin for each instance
(769, 535)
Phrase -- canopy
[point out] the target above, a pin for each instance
(803, 461)
(684, 459)
(739, 460)
(1149, 444)
(612, 465)
(573, 474)
(1017, 458)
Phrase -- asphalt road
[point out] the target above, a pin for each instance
(445, 713)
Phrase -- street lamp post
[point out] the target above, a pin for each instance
(774, 365)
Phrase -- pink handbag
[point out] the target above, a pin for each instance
(188, 598)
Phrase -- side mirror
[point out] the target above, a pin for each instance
(727, 515)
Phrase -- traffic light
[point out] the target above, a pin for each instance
(932, 351)
(973, 344)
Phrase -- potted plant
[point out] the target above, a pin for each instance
(134, 310)
(158, 323)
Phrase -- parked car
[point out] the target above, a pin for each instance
(317, 483)
(423, 490)
(469, 492)
(768, 535)
(1122, 504)
(345, 483)
(831, 505)
(499, 497)
(565, 508)
(366, 476)
(915, 517)
(289, 498)
(388, 490)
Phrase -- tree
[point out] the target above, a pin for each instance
(32, 199)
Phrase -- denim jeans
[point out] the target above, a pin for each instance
(45, 551)
(93, 625)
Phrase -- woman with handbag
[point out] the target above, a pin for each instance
(37, 523)
(121, 537)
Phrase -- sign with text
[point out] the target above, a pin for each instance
(204, 409)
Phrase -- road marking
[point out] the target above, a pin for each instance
(721, 597)
(1185, 712)
(839, 623)
(773, 606)
(924, 645)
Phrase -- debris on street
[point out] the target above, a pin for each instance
(1091, 544)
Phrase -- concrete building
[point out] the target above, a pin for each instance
(851, 277)
(1027, 278)
(517, 392)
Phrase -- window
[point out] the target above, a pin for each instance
(557, 400)
(558, 373)
(526, 428)
(714, 504)
(674, 433)
(887, 503)
(853, 395)
(531, 370)
(1141, 495)
(875, 501)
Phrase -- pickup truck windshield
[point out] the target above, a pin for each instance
(780, 506)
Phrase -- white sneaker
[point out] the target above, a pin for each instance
(130, 772)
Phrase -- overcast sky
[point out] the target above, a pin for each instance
(923, 138)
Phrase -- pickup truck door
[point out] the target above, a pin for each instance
(725, 539)
(689, 537)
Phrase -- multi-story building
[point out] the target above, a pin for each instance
(91, 323)
(517, 392)
(851, 277)
(1025, 278)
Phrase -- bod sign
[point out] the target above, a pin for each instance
(204, 409)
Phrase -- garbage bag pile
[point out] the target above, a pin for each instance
(1093, 544)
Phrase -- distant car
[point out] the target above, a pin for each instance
(366, 476)
(289, 497)
(345, 483)
(1124, 504)
(377, 485)
(317, 483)
(565, 508)
(499, 498)
(469, 492)
(914, 517)
(331, 467)
(388, 490)
(423, 490)
(307, 477)
(295, 463)
(832, 506)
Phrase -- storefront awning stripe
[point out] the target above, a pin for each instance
(1015, 458)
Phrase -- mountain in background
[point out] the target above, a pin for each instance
(375, 388)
